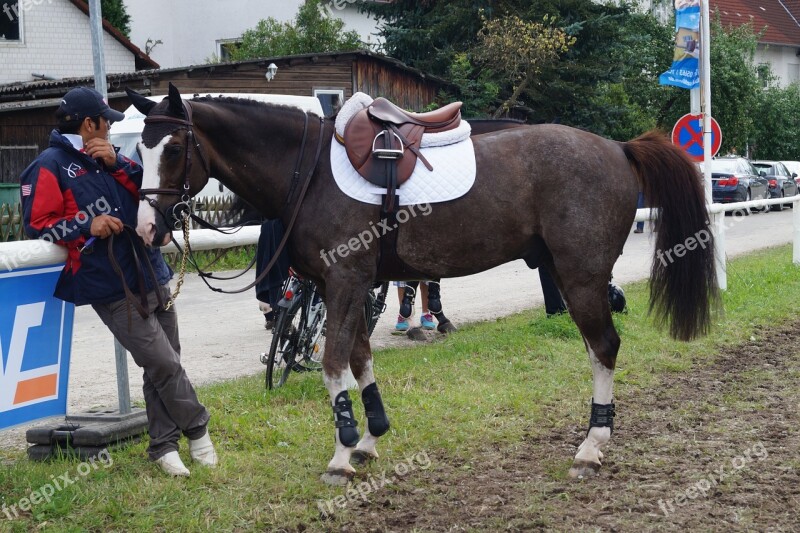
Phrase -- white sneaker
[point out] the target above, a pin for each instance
(171, 464)
(202, 451)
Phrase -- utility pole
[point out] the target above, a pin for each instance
(98, 57)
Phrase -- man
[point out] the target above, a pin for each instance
(80, 194)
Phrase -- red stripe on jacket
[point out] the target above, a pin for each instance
(122, 178)
(49, 205)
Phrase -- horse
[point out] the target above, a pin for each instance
(277, 158)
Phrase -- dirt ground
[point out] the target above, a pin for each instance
(714, 449)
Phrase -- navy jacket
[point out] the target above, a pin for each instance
(62, 191)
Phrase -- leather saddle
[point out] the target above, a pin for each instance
(382, 141)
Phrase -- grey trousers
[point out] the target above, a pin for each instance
(172, 404)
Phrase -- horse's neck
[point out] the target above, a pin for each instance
(255, 156)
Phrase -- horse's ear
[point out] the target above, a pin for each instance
(144, 105)
(175, 101)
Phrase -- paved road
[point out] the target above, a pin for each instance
(222, 335)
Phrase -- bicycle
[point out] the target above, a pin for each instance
(297, 339)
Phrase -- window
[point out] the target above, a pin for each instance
(792, 73)
(331, 100)
(764, 74)
(10, 22)
(224, 48)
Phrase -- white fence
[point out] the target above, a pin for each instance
(717, 213)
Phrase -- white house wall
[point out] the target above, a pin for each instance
(57, 39)
(189, 29)
(783, 60)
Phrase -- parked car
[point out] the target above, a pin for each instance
(735, 179)
(781, 182)
(794, 168)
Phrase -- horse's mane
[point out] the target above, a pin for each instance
(246, 102)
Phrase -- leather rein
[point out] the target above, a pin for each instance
(185, 197)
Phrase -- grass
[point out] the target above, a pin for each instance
(489, 384)
(237, 258)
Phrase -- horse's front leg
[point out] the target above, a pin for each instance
(377, 421)
(345, 301)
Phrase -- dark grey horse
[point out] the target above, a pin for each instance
(517, 209)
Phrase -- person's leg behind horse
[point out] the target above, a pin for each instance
(426, 318)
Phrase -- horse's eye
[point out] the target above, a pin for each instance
(172, 150)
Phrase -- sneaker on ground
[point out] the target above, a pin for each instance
(426, 321)
(171, 463)
(402, 324)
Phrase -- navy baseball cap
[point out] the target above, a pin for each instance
(83, 102)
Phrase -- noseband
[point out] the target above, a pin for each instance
(184, 195)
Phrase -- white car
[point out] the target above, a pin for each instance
(794, 168)
(127, 133)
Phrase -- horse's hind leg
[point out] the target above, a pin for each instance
(588, 305)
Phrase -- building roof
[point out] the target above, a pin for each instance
(55, 88)
(779, 18)
(143, 61)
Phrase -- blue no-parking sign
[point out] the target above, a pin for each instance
(688, 135)
(35, 342)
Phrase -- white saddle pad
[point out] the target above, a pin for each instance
(452, 177)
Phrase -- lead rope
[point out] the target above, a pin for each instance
(184, 255)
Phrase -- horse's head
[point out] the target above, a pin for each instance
(175, 167)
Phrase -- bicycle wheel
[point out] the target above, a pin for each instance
(309, 357)
(283, 349)
(375, 306)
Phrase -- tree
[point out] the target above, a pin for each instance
(311, 31)
(519, 50)
(776, 133)
(114, 12)
(431, 35)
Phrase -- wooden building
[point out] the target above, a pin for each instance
(26, 109)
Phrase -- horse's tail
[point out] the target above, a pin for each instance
(683, 281)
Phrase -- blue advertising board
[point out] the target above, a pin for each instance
(35, 343)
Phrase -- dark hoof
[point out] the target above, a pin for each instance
(337, 478)
(583, 469)
(446, 327)
(416, 334)
(361, 458)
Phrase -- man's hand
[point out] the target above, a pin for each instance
(104, 225)
(101, 149)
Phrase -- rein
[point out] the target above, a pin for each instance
(185, 197)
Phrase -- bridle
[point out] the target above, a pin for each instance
(182, 206)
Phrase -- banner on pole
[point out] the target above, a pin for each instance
(685, 72)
